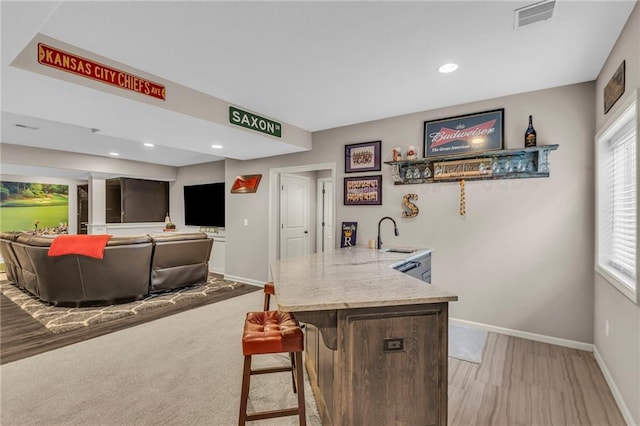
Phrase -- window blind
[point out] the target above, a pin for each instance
(623, 201)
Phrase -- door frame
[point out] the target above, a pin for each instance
(319, 211)
(274, 200)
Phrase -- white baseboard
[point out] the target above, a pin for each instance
(526, 335)
(626, 414)
(244, 280)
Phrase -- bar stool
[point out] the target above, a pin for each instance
(270, 332)
(269, 290)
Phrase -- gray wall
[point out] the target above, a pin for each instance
(522, 258)
(620, 351)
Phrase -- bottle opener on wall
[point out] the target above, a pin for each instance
(413, 209)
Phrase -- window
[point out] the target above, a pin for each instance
(616, 197)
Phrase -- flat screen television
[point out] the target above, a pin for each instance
(204, 204)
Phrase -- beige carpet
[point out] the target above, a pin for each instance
(61, 319)
(184, 369)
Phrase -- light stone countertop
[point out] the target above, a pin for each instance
(353, 277)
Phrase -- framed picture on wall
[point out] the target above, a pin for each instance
(464, 134)
(363, 191)
(34, 207)
(614, 88)
(362, 157)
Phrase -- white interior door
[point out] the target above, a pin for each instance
(325, 239)
(294, 215)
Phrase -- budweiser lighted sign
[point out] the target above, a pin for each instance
(87, 68)
(464, 134)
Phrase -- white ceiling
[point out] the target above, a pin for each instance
(315, 65)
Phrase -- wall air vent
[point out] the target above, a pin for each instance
(24, 126)
(536, 12)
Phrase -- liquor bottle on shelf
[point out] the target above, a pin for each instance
(530, 134)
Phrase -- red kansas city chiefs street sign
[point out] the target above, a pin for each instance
(84, 67)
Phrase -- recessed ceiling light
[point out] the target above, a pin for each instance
(115, 154)
(149, 144)
(447, 68)
(217, 146)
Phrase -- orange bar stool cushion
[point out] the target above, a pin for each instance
(267, 332)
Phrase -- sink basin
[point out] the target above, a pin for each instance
(398, 250)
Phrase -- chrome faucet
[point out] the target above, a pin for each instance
(395, 229)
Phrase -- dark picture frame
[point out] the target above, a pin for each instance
(614, 88)
(348, 234)
(362, 157)
(464, 134)
(363, 191)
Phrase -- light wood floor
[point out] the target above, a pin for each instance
(522, 382)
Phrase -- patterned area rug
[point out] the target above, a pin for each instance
(61, 319)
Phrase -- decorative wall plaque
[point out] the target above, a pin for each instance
(74, 64)
(462, 168)
(614, 88)
(407, 203)
(246, 184)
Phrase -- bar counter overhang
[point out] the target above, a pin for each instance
(376, 339)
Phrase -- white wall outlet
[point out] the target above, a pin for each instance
(606, 328)
(246, 222)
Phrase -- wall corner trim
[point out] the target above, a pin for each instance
(626, 414)
(244, 280)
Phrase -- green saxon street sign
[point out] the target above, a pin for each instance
(254, 122)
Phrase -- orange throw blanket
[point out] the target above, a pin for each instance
(84, 245)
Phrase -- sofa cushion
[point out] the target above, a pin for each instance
(35, 240)
(10, 236)
(170, 236)
(126, 240)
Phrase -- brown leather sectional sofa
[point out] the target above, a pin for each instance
(132, 267)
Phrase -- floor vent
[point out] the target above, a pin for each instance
(536, 12)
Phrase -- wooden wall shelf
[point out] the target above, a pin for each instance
(516, 163)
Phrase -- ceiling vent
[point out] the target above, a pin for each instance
(24, 126)
(536, 12)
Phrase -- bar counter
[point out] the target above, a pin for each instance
(376, 339)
